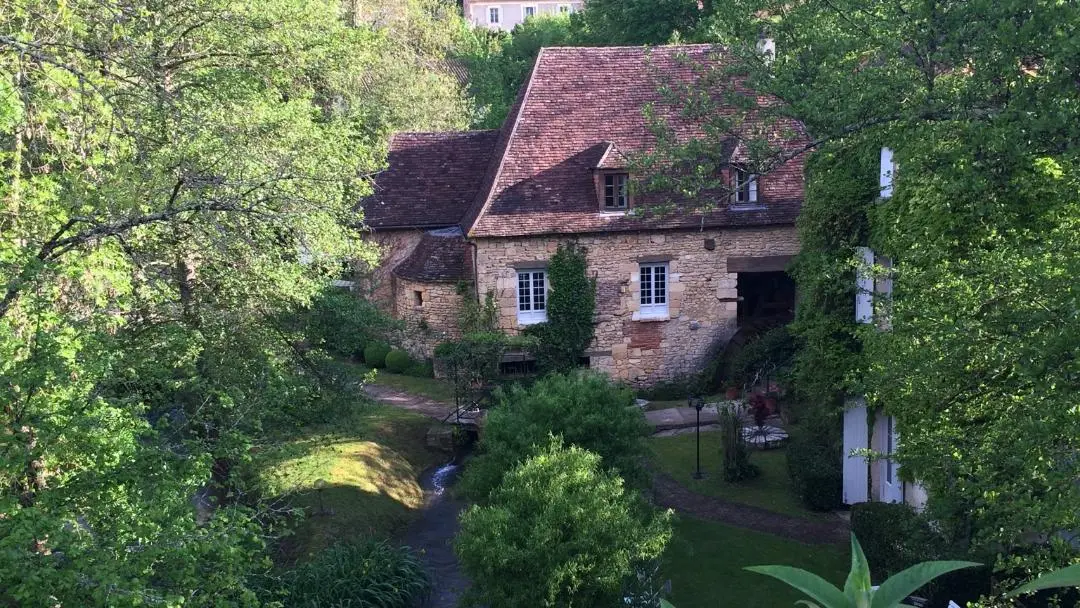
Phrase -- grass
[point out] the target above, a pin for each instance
(772, 490)
(432, 388)
(355, 478)
(705, 563)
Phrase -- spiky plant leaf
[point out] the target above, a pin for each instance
(809, 583)
(857, 586)
(906, 582)
(1065, 577)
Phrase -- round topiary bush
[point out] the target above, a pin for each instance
(375, 354)
(398, 361)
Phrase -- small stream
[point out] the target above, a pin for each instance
(432, 534)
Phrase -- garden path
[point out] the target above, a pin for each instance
(669, 493)
(422, 405)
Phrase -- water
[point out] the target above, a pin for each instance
(444, 477)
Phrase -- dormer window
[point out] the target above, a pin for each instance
(616, 191)
(744, 186)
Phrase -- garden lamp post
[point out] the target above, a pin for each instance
(697, 402)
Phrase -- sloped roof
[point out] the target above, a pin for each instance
(440, 256)
(582, 109)
(578, 101)
(430, 180)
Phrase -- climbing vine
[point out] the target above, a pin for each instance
(562, 340)
(841, 185)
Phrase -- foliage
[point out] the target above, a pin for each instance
(476, 316)
(840, 183)
(979, 367)
(768, 356)
(369, 573)
(559, 530)
(584, 408)
(894, 536)
(420, 369)
(858, 592)
(472, 363)
(635, 22)
(375, 354)
(571, 304)
(673, 389)
(398, 361)
(736, 458)
(343, 323)
(814, 461)
(499, 64)
(176, 182)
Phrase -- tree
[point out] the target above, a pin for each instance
(585, 409)
(559, 531)
(977, 103)
(166, 167)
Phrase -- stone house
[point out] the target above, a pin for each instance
(487, 209)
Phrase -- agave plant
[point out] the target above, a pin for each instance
(1066, 577)
(858, 591)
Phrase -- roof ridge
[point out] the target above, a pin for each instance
(487, 196)
(637, 46)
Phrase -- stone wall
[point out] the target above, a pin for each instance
(702, 293)
(427, 324)
(430, 311)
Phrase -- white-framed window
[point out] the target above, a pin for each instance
(529, 10)
(654, 290)
(616, 191)
(531, 296)
(744, 186)
(566, 8)
(494, 15)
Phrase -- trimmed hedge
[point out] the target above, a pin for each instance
(398, 361)
(375, 354)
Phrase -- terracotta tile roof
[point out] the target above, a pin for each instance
(580, 103)
(431, 179)
(440, 256)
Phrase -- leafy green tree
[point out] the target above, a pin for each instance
(176, 177)
(634, 22)
(558, 531)
(978, 105)
(584, 408)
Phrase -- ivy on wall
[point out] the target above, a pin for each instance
(571, 304)
(841, 186)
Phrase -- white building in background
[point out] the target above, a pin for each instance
(497, 15)
(878, 480)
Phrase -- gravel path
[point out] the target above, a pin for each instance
(668, 493)
(423, 405)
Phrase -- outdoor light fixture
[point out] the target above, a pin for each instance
(697, 402)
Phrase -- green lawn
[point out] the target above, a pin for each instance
(705, 563)
(369, 463)
(432, 388)
(771, 490)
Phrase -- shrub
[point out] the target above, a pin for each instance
(398, 361)
(814, 467)
(585, 408)
(375, 354)
(371, 573)
(769, 355)
(420, 369)
(894, 537)
(344, 324)
(559, 531)
(736, 465)
(571, 303)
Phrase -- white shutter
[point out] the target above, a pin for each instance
(856, 469)
(753, 188)
(885, 181)
(892, 489)
(864, 297)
